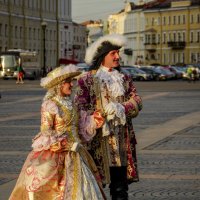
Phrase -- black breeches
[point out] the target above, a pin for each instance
(119, 184)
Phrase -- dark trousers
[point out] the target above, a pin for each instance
(119, 184)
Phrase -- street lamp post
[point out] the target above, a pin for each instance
(44, 25)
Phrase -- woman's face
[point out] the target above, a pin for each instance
(66, 87)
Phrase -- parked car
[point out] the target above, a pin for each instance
(158, 76)
(169, 75)
(83, 67)
(177, 74)
(184, 72)
(137, 73)
(131, 73)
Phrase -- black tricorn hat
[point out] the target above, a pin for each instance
(100, 48)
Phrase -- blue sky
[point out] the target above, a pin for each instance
(83, 10)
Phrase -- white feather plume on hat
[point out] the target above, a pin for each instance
(58, 75)
(92, 50)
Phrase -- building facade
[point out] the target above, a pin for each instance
(161, 32)
(172, 32)
(95, 29)
(44, 26)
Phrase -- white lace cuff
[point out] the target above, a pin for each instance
(43, 142)
(87, 126)
(75, 146)
(120, 113)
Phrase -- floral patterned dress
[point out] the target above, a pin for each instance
(59, 167)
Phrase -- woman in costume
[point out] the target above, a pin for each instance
(59, 167)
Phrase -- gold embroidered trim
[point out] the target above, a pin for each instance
(67, 115)
(75, 188)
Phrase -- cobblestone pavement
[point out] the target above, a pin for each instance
(169, 165)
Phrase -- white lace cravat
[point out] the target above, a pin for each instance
(113, 80)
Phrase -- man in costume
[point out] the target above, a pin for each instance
(113, 93)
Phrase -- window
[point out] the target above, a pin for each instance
(34, 34)
(183, 57)
(50, 35)
(158, 22)
(198, 18)
(0, 29)
(152, 22)
(191, 19)
(183, 36)
(179, 57)
(29, 33)
(183, 19)
(179, 36)
(164, 20)
(165, 61)
(198, 36)
(174, 20)
(148, 39)
(164, 38)
(6, 30)
(191, 37)
(174, 37)
(169, 20)
(179, 19)
(47, 34)
(20, 32)
(153, 39)
(169, 37)
(174, 58)
(158, 39)
(16, 32)
(38, 34)
(193, 57)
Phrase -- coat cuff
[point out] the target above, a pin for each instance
(75, 147)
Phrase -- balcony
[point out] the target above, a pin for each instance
(177, 45)
(150, 47)
(76, 46)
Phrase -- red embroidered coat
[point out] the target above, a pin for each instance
(119, 148)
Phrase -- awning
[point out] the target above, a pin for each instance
(64, 61)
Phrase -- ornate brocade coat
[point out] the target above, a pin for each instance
(56, 169)
(119, 147)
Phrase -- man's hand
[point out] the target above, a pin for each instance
(110, 108)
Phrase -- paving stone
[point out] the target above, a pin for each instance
(181, 98)
(18, 131)
(15, 144)
(176, 142)
(11, 163)
(165, 190)
(169, 164)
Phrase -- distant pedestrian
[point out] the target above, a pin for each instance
(194, 74)
(189, 73)
(20, 74)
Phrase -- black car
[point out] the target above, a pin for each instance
(126, 71)
(137, 73)
(158, 76)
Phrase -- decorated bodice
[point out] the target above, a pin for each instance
(59, 118)
(59, 125)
